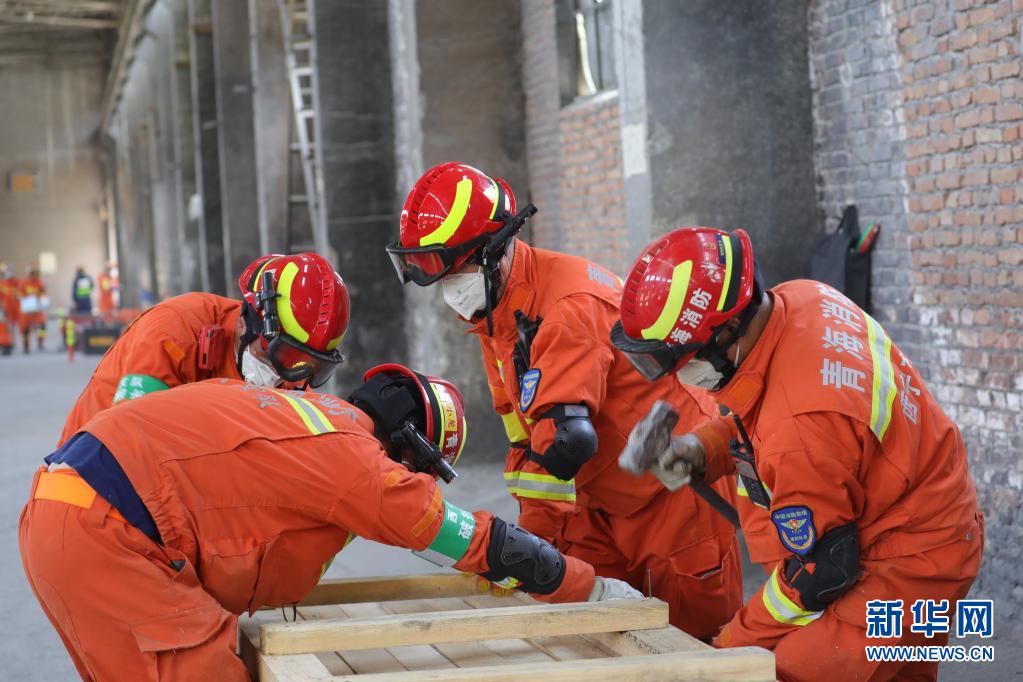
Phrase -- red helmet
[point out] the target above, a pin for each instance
(453, 213)
(679, 292)
(302, 331)
(428, 412)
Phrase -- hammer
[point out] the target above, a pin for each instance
(650, 438)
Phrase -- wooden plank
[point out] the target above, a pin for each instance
(461, 654)
(362, 662)
(514, 622)
(748, 664)
(391, 588)
(417, 657)
(640, 642)
(291, 668)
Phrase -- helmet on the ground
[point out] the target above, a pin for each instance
(298, 307)
(680, 291)
(424, 412)
(453, 213)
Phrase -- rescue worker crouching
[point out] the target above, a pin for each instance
(854, 484)
(567, 397)
(174, 520)
(287, 328)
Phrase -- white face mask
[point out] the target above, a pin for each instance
(465, 292)
(699, 373)
(257, 372)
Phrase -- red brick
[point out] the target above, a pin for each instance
(1003, 176)
(985, 96)
(1006, 195)
(967, 119)
(1008, 112)
(1006, 70)
(982, 16)
(949, 181)
(963, 41)
(980, 55)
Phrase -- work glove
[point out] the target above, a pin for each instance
(683, 458)
(502, 589)
(606, 589)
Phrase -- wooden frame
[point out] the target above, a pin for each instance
(440, 627)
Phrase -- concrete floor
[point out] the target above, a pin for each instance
(36, 393)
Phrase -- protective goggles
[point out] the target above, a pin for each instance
(651, 358)
(295, 362)
(426, 265)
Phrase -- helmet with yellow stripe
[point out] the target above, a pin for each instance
(451, 217)
(298, 308)
(424, 413)
(680, 293)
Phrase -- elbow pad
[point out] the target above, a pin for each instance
(575, 441)
(836, 568)
(514, 552)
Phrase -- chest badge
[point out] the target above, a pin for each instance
(527, 388)
(795, 528)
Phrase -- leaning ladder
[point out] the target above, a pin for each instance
(298, 22)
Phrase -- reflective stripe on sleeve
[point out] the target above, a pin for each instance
(783, 609)
(883, 390)
(539, 486)
(513, 428)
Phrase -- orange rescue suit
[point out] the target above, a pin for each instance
(9, 298)
(34, 289)
(844, 431)
(159, 350)
(107, 285)
(671, 544)
(252, 490)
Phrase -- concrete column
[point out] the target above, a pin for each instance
(191, 279)
(206, 133)
(359, 175)
(238, 184)
(729, 124)
(272, 110)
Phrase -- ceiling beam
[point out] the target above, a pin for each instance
(56, 21)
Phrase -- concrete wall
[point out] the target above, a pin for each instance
(729, 123)
(918, 115)
(467, 60)
(49, 118)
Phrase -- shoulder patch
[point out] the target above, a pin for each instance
(795, 528)
(527, 388)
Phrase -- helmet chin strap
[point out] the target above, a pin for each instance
(716, 352)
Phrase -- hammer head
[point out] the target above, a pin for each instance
(649, 438)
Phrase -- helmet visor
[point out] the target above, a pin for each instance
(426, 265)
(295, 362)
(651, 358)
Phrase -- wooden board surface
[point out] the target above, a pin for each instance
(392, 588)
(463, 625)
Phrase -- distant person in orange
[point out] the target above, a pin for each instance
(153, 528)
(10, 305)
(855, 485)
(568, 398)
(287, 328)
(33, 302)
(109, 288)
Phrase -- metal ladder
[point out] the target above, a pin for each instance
(298, 23)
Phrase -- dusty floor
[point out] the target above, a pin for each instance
(36, 392)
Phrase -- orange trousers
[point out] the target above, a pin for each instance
(658, 551)
(123, 611)
(832, 647)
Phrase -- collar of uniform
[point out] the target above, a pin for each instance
(742, 394)
(518, 295)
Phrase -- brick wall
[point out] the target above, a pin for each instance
(574, 155)
(918, 112)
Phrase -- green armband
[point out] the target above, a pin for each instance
(133, 386)
(453, 539)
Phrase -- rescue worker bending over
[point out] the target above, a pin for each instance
(287, 329)
(854, 483)
(163, 519)
(568, 398)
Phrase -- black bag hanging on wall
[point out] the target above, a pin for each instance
(842, 258)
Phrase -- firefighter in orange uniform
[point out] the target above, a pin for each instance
(568, 398)
(152, 529)
(32, 294)
(854, 483)
(200, 336)
(11, 306)
(108, 287)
